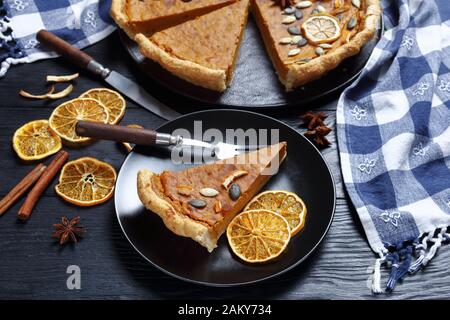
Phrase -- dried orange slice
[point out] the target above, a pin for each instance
(258, 235)
(64, 118)
(321, 28)
(86, 182)
(112, 100)
(36, 140)
(285, 203)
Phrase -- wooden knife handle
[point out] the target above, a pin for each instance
(103, 131)
(71, 53)
(65, 49)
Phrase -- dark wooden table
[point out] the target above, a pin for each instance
(33, 266)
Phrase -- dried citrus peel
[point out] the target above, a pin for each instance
(236, 174)
(26, 94)
(49, 95)
(61, 94)
(66, 78)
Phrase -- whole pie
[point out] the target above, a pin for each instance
(200, 202)
(304, 39)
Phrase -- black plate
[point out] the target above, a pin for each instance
(255, 84)
(304, 172)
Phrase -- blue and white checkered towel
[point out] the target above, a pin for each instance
(79, 22)
(393, 127)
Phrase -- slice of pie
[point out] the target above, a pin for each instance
(202, 51)
(200, 202)
(152, 15)
(306, 39)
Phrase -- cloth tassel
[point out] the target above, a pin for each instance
(394, 258)
(14, 54)
(404, 267)
(437, 244)
(425, 257)
(417, 265)
(422, 247)
(376, 279)
(4, 66)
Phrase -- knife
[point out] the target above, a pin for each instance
(113, 78)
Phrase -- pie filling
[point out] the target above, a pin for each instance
(183, 188)
(208, 49)
(151, 15)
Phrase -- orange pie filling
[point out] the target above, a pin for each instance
(187, 190)
(151, 15)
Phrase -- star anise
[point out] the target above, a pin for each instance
(318, 135)
(312, 120)
(67, 229)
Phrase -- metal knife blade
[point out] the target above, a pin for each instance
(140, 96)
(196, 143)
(124, 85)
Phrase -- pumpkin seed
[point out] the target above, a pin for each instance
(286, 40)
(209, 192)
(298, 14)
(197, 203)
(325, 46)
(302, 42)
(294, 30)
(289, 10)
(321, 8)
(356, 3)
(296, 39)
(293, 52)
(288, 20)
(234, 191)
(340, 16)
(315, 11)
(351, 24)
(304, 4)
(319, 51)
(303, 61)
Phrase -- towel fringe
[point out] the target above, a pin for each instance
(400, 258)
(376, 278)
(422, 248)
(11, 52)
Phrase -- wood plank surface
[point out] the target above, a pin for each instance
(32, 265)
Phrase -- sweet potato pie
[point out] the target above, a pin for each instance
(198, 40)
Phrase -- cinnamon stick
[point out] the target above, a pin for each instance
(21, 188)
(43, 182)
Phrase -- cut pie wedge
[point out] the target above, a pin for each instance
(202, 51)
(200, 202)
(310, 38)
(149, 16)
